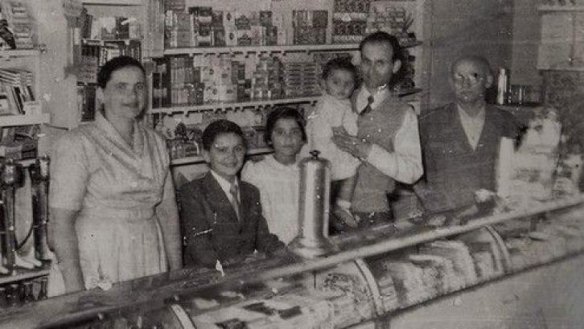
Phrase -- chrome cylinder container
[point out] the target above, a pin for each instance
(312, 240)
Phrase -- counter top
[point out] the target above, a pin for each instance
(157, 291)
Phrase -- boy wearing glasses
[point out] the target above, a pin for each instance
(460, 141)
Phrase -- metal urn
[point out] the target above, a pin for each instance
(312, 239)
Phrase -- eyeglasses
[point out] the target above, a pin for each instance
(471, 79)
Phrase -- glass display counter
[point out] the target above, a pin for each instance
(377, 274)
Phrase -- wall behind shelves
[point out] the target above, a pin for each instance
(56, 91)
(526, 37)
(466, 27)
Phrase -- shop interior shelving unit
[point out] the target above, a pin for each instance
(28, 59)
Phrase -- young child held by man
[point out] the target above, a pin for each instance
(333, 112)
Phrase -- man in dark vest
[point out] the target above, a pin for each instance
(387, 141)
(460, 142)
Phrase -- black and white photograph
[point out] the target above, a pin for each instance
(294, 164)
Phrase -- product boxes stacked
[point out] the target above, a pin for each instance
(206, 27)
(350, 20)
(265, 83)
(309, 26)
(300, 78)
(395, 19)
(20, 23)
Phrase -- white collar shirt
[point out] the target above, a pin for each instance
(226, 186)
(378, 97)
(473, 126)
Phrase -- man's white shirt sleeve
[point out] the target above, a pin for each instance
(405, 163)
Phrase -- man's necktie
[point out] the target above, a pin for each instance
(367, 108)
(235, 200)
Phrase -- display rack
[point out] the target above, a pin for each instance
(28, 59)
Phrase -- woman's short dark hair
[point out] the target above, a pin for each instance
(114, 64)
(384, 37)
(339, 63)
(217, 128)
(283, 112)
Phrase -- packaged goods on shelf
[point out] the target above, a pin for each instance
(350, 20)
(19, 32)
(395, 18)
(16, 86)
(110, 27)
(300, 78)
(207, 27)
(309, 26)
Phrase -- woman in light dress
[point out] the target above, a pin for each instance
(113, 210)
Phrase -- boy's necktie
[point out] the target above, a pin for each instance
(367, 108)
(234, 200)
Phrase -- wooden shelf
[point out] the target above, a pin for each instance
(271, 49)
(101, 42)
(199, 159)
(113, 2)
(24, 274)
(236, 105)
(260, 49)
(23, 120)
(252, 104)
(567, 8)
(19, 53)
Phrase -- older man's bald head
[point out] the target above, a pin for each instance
(479, 61)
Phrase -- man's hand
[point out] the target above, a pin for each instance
(357, 147)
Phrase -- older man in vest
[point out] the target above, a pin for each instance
(460, 142)
(387, 141)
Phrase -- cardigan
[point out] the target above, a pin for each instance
(378, 127)
(453, 170)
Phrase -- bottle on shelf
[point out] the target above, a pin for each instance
(502, 86)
